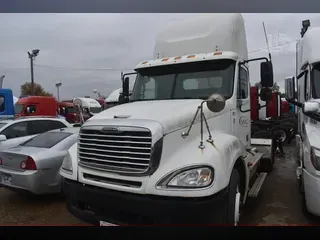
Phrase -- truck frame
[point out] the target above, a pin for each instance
(180, 151)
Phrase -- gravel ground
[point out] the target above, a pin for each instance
(279, 202)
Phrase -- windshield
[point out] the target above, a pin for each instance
(95, 109)
(315, 81)
(46, 140)
(2, 125)
(18, 108)
(71, 110)
(196, 80)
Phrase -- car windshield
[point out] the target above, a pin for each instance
(2, 125)
(71, 110)
(18, 108)
(95, 109)
(46, 140)
(196, 80)
(315, 79)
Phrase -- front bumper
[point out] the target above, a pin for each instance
(312, 192)
(93, 204)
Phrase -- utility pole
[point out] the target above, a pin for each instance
(32, 56)
(58, 85)
(1, 80)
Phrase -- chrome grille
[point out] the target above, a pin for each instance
(116, 149)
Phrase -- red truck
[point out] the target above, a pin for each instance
(36, 106)
(272, 117)
(68, 110)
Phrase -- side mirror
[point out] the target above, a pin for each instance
(3, 138)
(266, 94)
(216, 102)
(266, 74)
(289, 85)
(125, 90)
(310, 107)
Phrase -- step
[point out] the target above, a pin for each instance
(254, 191)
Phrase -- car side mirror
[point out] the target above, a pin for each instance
(310, 107)
(3, 138)
(289, 84)
(266, 74)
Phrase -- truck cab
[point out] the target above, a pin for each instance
(36, 106)
(307, 101)
(89, 106)
(6, 104)
(180, 145)
(67, 110)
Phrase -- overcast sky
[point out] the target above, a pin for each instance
(120, 41)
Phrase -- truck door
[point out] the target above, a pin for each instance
(242, 119)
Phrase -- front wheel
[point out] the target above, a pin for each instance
(234, 199)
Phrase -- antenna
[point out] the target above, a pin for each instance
(265, 34)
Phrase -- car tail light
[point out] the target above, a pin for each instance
(315, 158)
(28, 164)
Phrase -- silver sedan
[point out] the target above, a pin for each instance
(33, 166)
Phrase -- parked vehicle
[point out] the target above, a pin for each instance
(36, 106)
(153, 159)
(68, 110)
(271, 118)
(113, 99)
(307, 101)
(34, 165)
(89, 106)
(6, 104)
(27, 126)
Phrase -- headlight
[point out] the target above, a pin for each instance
(315, 158)
(196, 177)
(67, 164)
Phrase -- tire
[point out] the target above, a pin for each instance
(234, 196)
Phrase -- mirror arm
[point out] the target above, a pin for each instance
(254, 59)
(298, 104)
(302, 74)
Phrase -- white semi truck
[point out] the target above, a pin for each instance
(179, 149)
(307, 100)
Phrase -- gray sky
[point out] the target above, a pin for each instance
(121, 41)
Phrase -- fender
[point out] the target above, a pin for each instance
(221, 155)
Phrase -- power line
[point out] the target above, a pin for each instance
(118, 69)
(83, 69)
(279, 45)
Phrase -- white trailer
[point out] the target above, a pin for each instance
(308, 102)
(180, 150)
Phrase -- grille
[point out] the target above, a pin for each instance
(119, 149)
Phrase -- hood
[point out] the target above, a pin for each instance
(171, 114)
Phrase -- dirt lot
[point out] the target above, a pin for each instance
(279, 203)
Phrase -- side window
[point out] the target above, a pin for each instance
(16, 130)
(306, 88)
(31, 109)
(2, 102)
(37, 127)
(243, 88)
